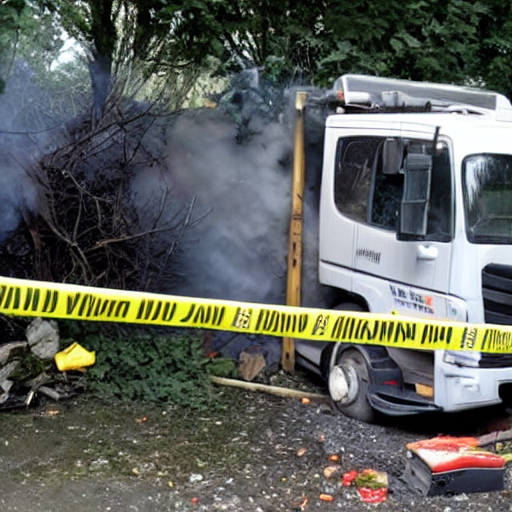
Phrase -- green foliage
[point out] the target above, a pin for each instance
(222, 367)
(30, 366)
(145, 366)
(312, 41)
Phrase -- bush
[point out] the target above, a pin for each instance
(150, 366)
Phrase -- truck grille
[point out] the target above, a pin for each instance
(497, 295)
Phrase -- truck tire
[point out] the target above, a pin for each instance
(349, 381)
(325, 360)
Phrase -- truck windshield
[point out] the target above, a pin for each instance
(488, 198)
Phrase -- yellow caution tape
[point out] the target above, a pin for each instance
(34, 298)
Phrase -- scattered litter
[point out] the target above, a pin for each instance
(50, 412)
(369, 495)
(498, 442)
(332, 470)
(301, 452)
(334, 457)
(372, 485)
(141, 420)
(74, 357)
(195, 477)
(349, 477)
(306, 400)
(302, 504)
(326, 497)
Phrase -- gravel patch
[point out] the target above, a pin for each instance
(254, 452)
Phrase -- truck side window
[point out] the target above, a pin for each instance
(355, 158)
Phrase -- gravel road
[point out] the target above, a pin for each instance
(252, 453)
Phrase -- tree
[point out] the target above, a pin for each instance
(10, 13)
(132, 42)
(493, 67)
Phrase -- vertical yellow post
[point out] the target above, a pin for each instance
(293, 287)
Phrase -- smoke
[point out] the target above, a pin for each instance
(18, 151)
(236, 162)
(27, 132)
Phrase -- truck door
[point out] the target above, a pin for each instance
(420, 263)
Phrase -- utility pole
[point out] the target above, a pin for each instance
(294, 278)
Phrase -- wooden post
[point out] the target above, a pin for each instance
(293, 287)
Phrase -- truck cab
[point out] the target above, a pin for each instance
(416, 219)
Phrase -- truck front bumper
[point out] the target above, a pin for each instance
(400, 402)
(458, 388)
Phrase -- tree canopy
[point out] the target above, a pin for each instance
(455, 41)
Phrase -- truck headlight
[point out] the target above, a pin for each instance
(462, 358)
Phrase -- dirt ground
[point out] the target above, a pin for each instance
(253, 452)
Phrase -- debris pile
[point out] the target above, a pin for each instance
(28, 368)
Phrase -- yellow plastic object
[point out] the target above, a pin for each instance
(74, 357)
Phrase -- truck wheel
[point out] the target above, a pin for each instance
(348, 384)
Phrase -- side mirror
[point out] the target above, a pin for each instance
(416, 198)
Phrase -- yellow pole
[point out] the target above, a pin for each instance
(293, 287)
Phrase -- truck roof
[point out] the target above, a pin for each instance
(425, 119)
(361, 93)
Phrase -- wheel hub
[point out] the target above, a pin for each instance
(343, 384)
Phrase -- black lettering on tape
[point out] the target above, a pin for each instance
(205, 315)
(89, 306)
(123, 306)
(31, 299)
(321, 324)
(72, 302)
(262, 322)
(468, 338)
(10, 297)
(433, 334)
(168, 312)
(349, 328)
(386, 330)
(361, 329)
(368, 332)
(281, 322)
(209, 315)
(146, 309)
(496, 340)
(50, 301)
(189, 314)
(242, 318)
(406, 331)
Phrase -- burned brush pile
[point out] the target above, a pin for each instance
(85, 229)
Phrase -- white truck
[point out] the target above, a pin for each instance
(415, 218)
